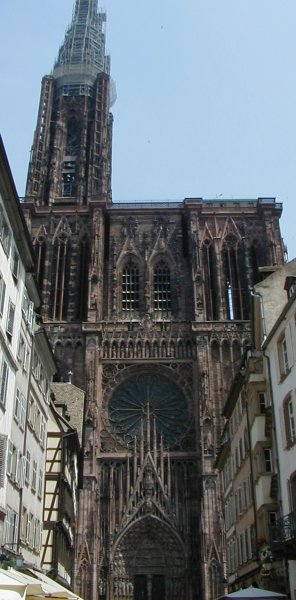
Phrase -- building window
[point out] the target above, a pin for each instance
(236, 286)
(40, 483)
(11, 528)
(42, 430)
(24, 524)
(283, 356)
(292, 491)
(162, 287)
(262, 402)
(27, 467)
(130, 287)
(2, 294)
(15, 263)
(267, 460)
(289, 418)
(10, 319)
(5, 235)
(210, 275)
(34, 475)
(3, 381)
(61, 258)
(3, 448)
(20, 408)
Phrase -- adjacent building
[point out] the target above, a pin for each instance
(280, 354)
(257, 455)
(26, 369)
(64, 440)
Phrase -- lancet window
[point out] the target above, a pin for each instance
(236, 288)
(130, 287)
(162, 287)
(210, 275)
(82, 290)
(40, 251)
(60, 278)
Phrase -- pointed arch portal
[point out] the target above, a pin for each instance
(149, 563)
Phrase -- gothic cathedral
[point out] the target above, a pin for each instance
(148, 306)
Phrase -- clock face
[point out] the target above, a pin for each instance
(154, 395)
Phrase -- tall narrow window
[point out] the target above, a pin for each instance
(82, 290)
(130, 287)
(162, 287)
(210, 277)
(267, 460)
(2, 294)
(3, 381)
(290, 419)
(60, 278)
(236, 287)
(40, 251)
(10, 319)
(283, 356)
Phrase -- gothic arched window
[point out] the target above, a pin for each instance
(40, 251)
(60, 278)
(236, 292)
(82, 290)
(210, 277)
(130, 287)
(162, 287)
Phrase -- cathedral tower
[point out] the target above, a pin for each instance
(148, 305)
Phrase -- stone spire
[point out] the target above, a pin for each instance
(82, 54)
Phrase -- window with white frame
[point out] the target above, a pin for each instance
(2, 294)
(20, 349)
(42, 430)
(3, 450)
(32, 412)
(267, 459)
(27, 467)
(11, 528)
(10, 319)
(5, 234)
(3, 381)
(34, 475)
(289, 418)
(26, 357)
(17, 404)
(29, 536)
(262, 402)
(15, 263)
(20, 408)
(283, 356)
(24, 524)
(40, 483)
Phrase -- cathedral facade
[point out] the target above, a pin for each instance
(147, 306)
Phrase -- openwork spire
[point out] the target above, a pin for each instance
(83, 52)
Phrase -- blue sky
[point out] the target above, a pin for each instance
(206, 90)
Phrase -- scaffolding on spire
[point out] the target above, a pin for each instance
(82, 55)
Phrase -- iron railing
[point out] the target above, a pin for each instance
(284, 529)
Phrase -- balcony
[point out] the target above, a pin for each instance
(283, 537)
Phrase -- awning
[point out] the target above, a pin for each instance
(253, 593)
(10, 595)
(11, 589)
(61, 591)
(37, 586)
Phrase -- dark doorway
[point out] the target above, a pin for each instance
(149, 587)
(140, 587)
(158, 587)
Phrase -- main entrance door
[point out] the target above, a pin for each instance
(149, 587)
